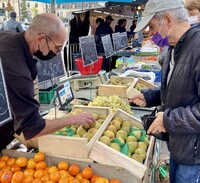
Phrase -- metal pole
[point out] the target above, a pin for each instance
(52, 6)
(19, 11)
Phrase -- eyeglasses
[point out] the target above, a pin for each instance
(58, 47)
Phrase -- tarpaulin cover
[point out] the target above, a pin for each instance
(78, 1)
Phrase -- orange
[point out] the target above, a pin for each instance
(74, 169)
(45, 178)
(39, 156)
(15, 168)
(29, 172)
(39, 173)
(79, 176)
(1, 173)
(21, 161)
(37, 180)
(28, 179)
(41, 165)
(63, 180)
(49, 181)
(11, 161)
(85, 181)
(87, 173)
(63, 165)
(2, 164)
(64, 173)
(94, 178)
(31, 164)
(4, 158)
(102, 180)
(18, 177)
(114, 181)
(55, 176)
(6, 168)
(6, 177)
(52, 169)
(74, 181)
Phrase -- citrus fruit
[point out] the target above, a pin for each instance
(87, 172)
(74, 169)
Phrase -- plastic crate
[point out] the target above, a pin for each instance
(89, 69)
(46, 96)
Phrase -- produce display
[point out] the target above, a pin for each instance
(118, 81)
(114, 102)
(125, 138)
(80, 131)
(36, 170)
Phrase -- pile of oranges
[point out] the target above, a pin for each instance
(36, 170)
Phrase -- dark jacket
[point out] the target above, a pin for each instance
(181, 98)
(19, 71)
(102, 30)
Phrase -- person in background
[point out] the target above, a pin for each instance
(102, 30)
(11, 24)
(180, 87)
(121, 27)
(44, 39)
(133, 26)
(99, 21)
(193, 9)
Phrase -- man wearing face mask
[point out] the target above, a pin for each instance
(43, 40)
(193, 9)
(180, 87)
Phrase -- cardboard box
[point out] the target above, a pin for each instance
(75, 147)
(104, 154)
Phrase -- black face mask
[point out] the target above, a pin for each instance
(40, 55)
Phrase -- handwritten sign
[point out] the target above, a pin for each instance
(116, 41)
(88, 49)
(107, 45)
(124, 40)
(5, 114)
(50, 69)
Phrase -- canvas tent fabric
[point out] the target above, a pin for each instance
(77, 1)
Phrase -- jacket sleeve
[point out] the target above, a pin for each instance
(19, 28)
(186, 120)
(152, 96)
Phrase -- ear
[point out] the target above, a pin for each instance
(40, 37)
(169, 19)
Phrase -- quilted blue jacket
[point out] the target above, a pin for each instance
(181, 98)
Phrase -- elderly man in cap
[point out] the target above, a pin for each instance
(179, 93)
(11, 24)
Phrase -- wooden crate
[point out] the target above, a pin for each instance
(144, 82)
(73, 146)
(101, 152)
(102, 170)
(109, 90)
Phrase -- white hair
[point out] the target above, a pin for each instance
(179, 14)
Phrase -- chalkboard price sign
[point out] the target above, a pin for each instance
(5, 114)
(116, 41)
(124, 40)
(88, 49)
(107, 45)
(50, 69)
